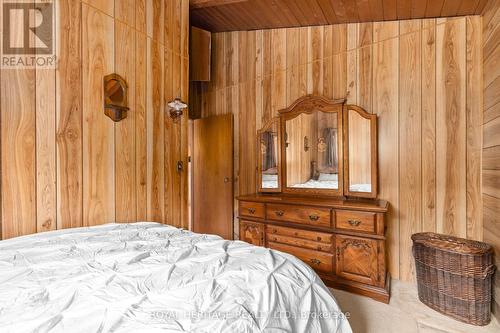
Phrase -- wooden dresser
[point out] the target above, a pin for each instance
(343, 240)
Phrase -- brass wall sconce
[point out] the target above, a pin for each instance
(115, 97)
(176, 108)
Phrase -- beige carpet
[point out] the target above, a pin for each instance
(404, 314)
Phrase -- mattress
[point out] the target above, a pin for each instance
(148, 277)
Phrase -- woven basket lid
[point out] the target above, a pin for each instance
(451, 243)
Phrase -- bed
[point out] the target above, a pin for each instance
(149, 277)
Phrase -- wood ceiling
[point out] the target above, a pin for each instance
(232, 15)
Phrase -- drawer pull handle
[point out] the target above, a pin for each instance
(354, 223)
(319, 239)
(275, 231)
(313, 217)
(279, 212)
(315, 261)
(251, 210)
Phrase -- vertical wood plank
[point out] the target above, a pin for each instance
(385, 105)
(175, 141)
(45, 111)
(184, 93)
(125, 173)
(140, 15)
(18, 144)
(247, 142)
(450, 87)
(105, 6)
(352, 62)
(18, 137)
(98, 130)
(140, 125)
(339, 59)
(125, 11)
(364, 77)
(429, 127)
(474, 121)
(184, 29)
(69, 115)
(46, 191)
(327, 62)
(176, 23)
(410, 182)
(385, 30)
(155, 132)
(170, 155)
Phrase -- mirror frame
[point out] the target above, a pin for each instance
(268, 125)
(309, 104)
(374, 153)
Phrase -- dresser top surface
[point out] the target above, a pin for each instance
(338, 203)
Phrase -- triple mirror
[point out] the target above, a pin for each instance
(318, 146)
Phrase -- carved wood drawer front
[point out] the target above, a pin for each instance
(299, 214)
(357, 259)
(252, 209)
(318, 260)
(299, 233)
(355, 221)
(252, 232)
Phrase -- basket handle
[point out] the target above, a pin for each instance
(488, 271)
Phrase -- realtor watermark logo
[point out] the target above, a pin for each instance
(28, 34)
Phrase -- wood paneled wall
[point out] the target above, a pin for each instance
(64, 163)
(491, 135)
(420, 78)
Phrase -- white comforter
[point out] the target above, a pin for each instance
(148, 277)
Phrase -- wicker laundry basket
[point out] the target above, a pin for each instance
(454, 276)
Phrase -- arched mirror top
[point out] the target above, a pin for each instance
(309, 104)
(362, 112)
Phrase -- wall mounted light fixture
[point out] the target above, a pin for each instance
(115, 97)
(176, 108)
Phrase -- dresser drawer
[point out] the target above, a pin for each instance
(302, 234)
(303, 243)
(299, 214)
(318, 260)
(251, 209)
(355, 221)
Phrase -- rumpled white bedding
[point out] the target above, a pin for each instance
(148, 277)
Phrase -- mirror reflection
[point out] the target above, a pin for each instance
(359, 153)
(312, 157)
(269, 156)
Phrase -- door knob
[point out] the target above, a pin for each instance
(227, 179)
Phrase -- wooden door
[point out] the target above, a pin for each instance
(357, 259)
(212, 167)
